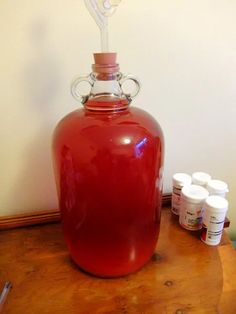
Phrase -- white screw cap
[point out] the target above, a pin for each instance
(201, 178)
(181, 179)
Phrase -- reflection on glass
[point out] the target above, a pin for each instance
(139, 146)
(126, 140)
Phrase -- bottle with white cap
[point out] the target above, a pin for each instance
(201, 178)
(215, 209)
(179, 180)
(191, 206)
(217, 187)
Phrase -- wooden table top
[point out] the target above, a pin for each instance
(183, 276)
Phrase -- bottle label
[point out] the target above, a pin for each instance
(213, 228)
(176, 197)
(191, 216)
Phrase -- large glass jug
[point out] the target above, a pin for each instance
(108, 161)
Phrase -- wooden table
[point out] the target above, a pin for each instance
(183, 276)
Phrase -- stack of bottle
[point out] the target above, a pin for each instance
(201, 204)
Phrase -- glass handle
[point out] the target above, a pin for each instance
(130, 77)
(75, 88)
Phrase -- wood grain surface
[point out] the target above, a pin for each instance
(183, 276)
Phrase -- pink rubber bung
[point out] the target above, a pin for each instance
(105, 62)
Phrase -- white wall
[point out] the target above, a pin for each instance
(183, 51)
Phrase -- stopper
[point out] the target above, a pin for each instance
(105, 62)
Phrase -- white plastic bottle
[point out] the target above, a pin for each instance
(215, 209)
(201, 178)
(179, 181)
(191, 206)
(217, 187)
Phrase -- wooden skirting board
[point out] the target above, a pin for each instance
(44, 216)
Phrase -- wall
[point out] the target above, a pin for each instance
(183, 51)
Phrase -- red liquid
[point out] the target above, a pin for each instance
(108, 167)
